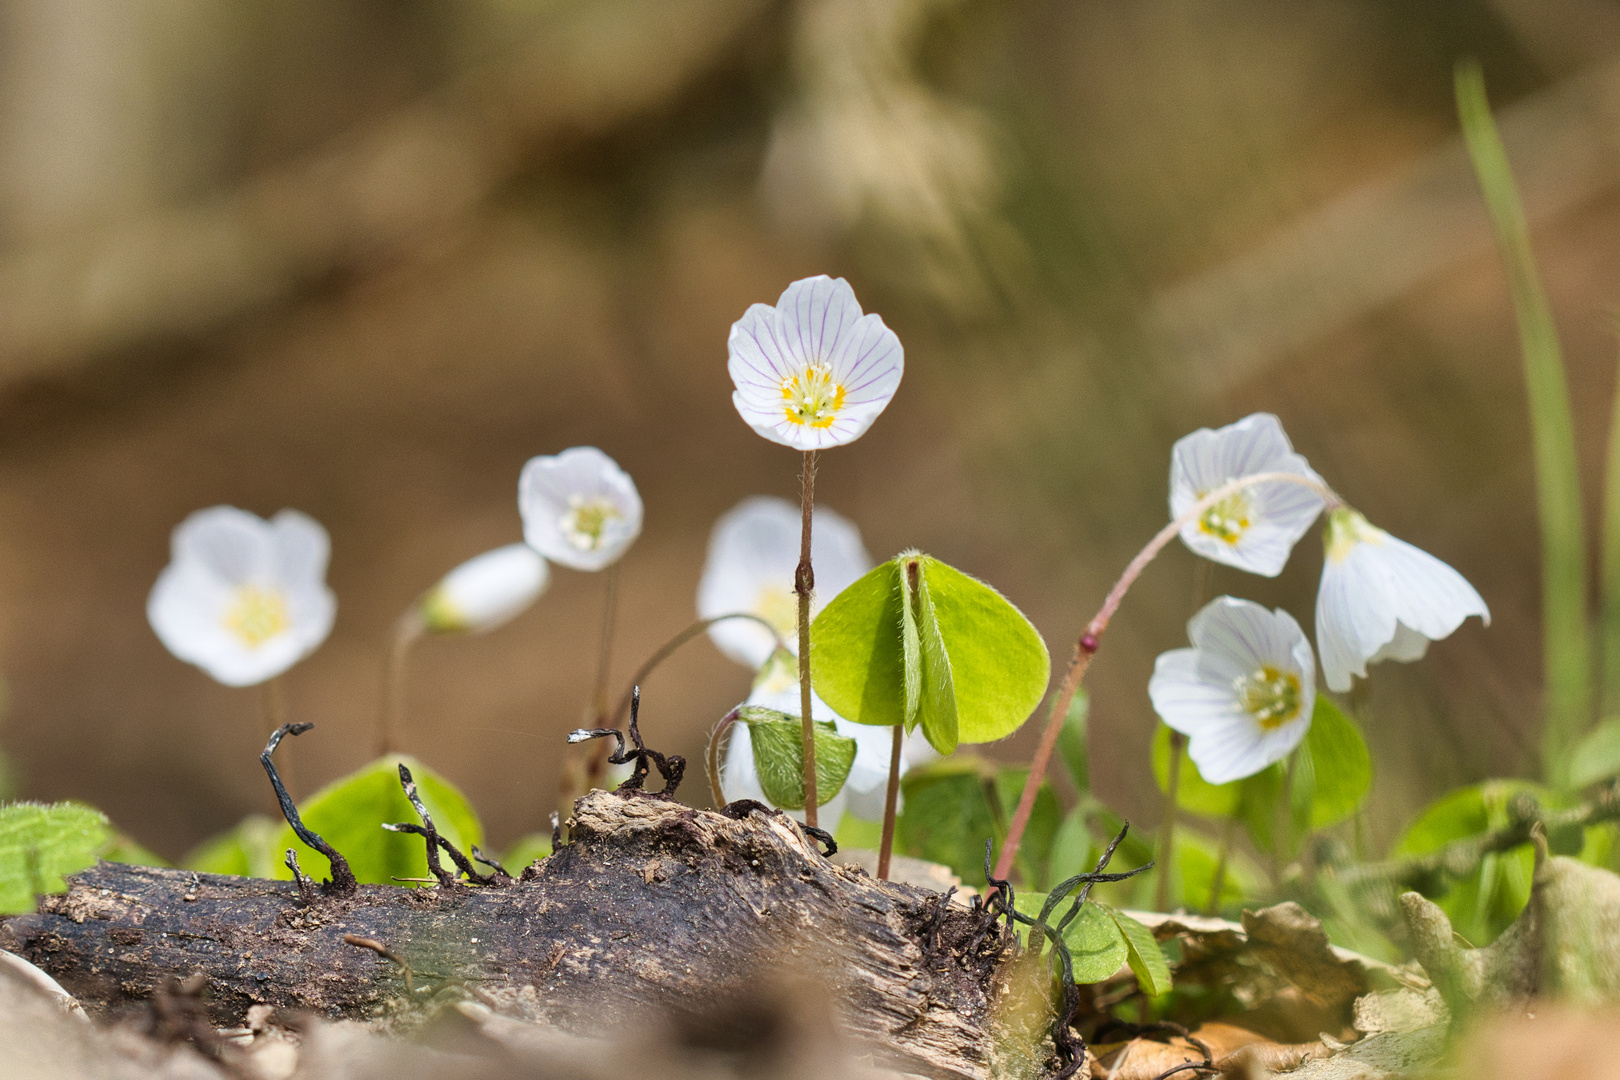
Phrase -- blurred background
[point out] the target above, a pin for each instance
(365, 257)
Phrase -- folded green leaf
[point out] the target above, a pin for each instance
(40, 845)
(778, 743)
(349, 814)
(1097, 946)
(978, 665)
(1142, 952)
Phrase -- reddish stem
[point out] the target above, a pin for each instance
(1092, 639)
(891, 799)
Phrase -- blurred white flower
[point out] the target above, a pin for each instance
(579, 508)
(243, 598)
(486, 590)
(1383, 599)
(813, 372)
(1253, 529)
(1244, 692)
(753, 552)
(777, 687)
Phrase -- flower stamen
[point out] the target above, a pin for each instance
(813, 398)
(586, 520)
(1228, 519)
(257, 615)
(1271, 696)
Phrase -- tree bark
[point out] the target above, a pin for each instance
(653, 908)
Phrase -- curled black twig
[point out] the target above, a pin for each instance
(824, 837)
(671, 768)
(343, 882)
(479, 856)
(435, 841)
(305, 886)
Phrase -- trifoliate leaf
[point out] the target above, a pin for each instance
(349, 814)
(1597, 756)
(1193, 793)
(248, 850)
(978, 661)
(778, 743)
(938, 713)
(40, 845)
(1142, 952)
(1072, 741)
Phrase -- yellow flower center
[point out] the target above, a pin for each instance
(586, 520)
(1346, 529)
(1228, 519)
(1272, 697)
(812, 398)
(780, 608)
(256, 615)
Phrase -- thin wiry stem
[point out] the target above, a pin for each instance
(391, 717)
(1086, 647)
(715, 790)
(804, 583)
(668, 648)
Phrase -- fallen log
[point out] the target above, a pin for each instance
(653, 908)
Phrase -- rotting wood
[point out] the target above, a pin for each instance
(591, 933)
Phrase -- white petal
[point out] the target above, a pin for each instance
(487, 590)
(302, 547)
(1407, 645)
(1243, 636)
(233, 545)
(814, 314)
(753, 552)
(1430, 596)
(1185, 699)
(550, 487)
(1354, 616)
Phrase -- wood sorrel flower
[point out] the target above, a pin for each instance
(579, 508)
(752, 553)
(1254, 529)
(243, 598)
(813, 372)
(1244, 692)
(486, 590)
(1383, 599)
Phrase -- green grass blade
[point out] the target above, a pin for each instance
(1611, 567)
(1558, 495)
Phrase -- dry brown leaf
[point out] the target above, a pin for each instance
(1236, 1052)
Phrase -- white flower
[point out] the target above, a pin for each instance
(486, 590)
(579, 508)
(243, 598)
(1244, 692)
(1383, 599)
(753, 552)
(1253, 529)
(813, 372)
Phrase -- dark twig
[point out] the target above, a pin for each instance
(435, 841)
(825, 837)
(343, 882)
(305, 886)
(671, 768)
(479, 856)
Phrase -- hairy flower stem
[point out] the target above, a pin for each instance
(1086, 647)
(1167, 827)
(716, 792)
(804, 583)
(891, 799)
(391, 717)
(1217, 880)
(667, 649)
(596, 756)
